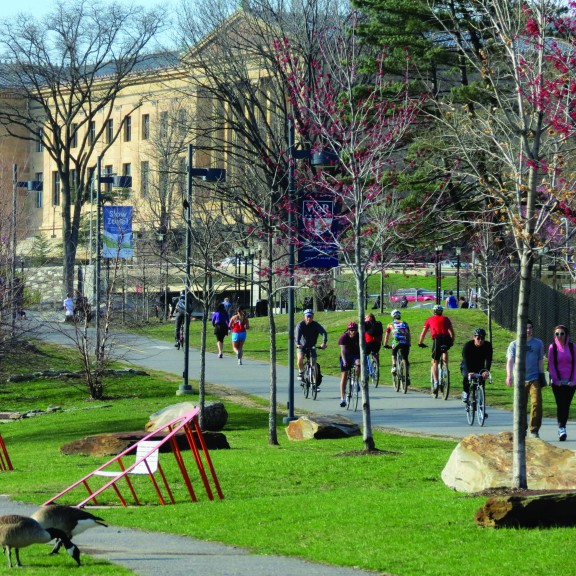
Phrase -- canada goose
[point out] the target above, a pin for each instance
(72, 521)
(20, 531)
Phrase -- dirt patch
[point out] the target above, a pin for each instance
(506, 491)
(368, 453)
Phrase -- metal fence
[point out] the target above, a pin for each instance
(546, 308)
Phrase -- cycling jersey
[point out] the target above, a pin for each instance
(438, 325)
(400, 333)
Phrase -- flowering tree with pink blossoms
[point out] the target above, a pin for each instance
(511, 136)
(364, 119)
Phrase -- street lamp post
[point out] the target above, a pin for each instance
(438, 272)
(458, 254)
(209, 175)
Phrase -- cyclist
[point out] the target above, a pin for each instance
(442, 335)
(306, 336)
(179, 308)
(400, 340)
(476, 359)
(373, 332)
(349, 344)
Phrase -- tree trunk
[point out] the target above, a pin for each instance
(272, 415)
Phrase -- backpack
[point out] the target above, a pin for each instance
(319, 375)
(378, 329)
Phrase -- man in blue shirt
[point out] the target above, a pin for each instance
(534, 367)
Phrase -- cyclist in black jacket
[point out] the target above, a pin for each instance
(306, 337)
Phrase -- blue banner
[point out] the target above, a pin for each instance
(318, 227)
(117, 238)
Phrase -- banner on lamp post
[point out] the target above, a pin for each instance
(318, 227)
(117, 237)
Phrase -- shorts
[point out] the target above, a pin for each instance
(437, 343)
(373, 347)
(350, 361)
(405, 351)
(238, 336)
(312, 349)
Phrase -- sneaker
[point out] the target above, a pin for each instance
(464, 397)
(300, 376)
(177, 345)
(318, 389)
(393, 370)
(562, 434)
(342, 403)
(534, 435)
(219, 355)
(435, 386)
(239, 362)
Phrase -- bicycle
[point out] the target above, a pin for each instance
(373, 368)
(475, 405)
(310, 377)
(399, 377)
(443, 376)
(352, 389)
(180, 341)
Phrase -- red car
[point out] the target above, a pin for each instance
(413, 295)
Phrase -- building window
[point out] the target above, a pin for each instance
(109, 131)
(39, 176)
(145, 178)
(92, 132)
(145, 126)
(39, 145)
(128, 129)
(163, 124)
(55, 189)
(108, 171)
(74, 136)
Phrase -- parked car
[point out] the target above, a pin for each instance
(453, 263)
(413, 295)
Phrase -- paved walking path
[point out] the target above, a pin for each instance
(157, 554)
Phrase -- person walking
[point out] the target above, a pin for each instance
(442, 334)
(239, 324)
(220, 321)
(476, 359)
(349, 344)
(400, 332)
(562, 369)
(68, 307)
(534, 363)
(451, 301)
(306, 337)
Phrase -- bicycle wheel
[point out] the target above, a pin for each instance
(349, 390)
(403, 377)
(395, 379)
(434, 392)
(469, 406)
(313, 379)
(376, 371)
(445, 382)
(306, 381)
(481, 406)
(355, 392)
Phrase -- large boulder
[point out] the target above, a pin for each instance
(215, 416)
(321, 427)
(485, 461)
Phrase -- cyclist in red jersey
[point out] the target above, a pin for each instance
(442, 335)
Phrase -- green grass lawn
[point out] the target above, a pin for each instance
(314, 500)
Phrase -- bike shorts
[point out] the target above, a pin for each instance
(238, 336)
(350, 361)
(437, 344)
(302, 352)
(373, 347)
(405, 351)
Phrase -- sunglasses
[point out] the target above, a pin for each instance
(479, 337)
(559, 333)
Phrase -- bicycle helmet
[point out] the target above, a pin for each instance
(438, 309)
(480, 332)
(395, 314)
(309, 312)
(352, 326)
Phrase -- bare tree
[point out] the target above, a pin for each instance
(65, 70)
(513, 139)
(363, 120)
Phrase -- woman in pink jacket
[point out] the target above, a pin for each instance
(562, 369)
